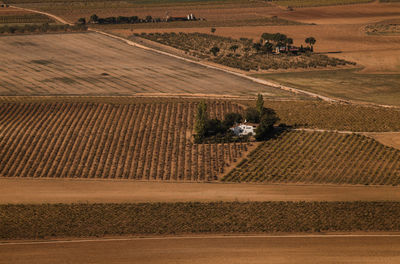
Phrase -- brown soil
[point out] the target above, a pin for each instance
(104, 191)
(337, 29)
(100, 65)
(143, 141)
(391, 139)
(375, 53)
(209, 249)
(12, 11)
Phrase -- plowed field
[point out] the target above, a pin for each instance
(93, 64)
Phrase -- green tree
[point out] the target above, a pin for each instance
(257, 47)
(260, 104)
(266, 125)
(214, 50)
(234, 48)
(81, 21)
(311, 41)
(231, 118)
(94, 18)
(149, 18)
(213, 30)
(201, 121)
(252, 115)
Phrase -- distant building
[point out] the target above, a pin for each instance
(189, 17)
(244, 129)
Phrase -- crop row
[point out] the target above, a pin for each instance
(320, 157)
(24, 18)
(83, 220)
(147, 141)
(335, 116)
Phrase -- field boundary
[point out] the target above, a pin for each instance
(180, 237)
(243, 75)
(207, 65)
(57, 18)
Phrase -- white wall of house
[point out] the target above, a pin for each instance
(243, 130)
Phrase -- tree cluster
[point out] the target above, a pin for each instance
(264, 117)
(94, 19)
(269, 41)
(206, 127)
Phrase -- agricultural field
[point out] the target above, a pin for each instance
(334, 116)
(313, 3)
(387, 27)
(320, 157)
(346, 84)
(338, 30)
(151, 139)
(15, 16)
(97, 151)
(54, 65)
(368, 249)
(141, 141)
(102, 220)
(55, 191)
(241, 53)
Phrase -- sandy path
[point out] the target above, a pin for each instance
(57, 18)
(70, 191)
(212, 249)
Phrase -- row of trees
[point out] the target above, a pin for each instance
(266, 118)
(94, 19)
(270, 41)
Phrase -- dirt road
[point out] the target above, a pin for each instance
(211, 249)
(102, 191)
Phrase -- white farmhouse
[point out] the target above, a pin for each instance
(244, 129)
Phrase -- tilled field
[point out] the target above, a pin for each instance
(93, 64)
(146, 141)
(320, 157)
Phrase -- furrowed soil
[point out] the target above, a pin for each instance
(209, 249)
(100, 65)
(37, 191)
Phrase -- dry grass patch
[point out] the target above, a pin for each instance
(350, 84)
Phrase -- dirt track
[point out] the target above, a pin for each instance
(72, 191)
(218, 250)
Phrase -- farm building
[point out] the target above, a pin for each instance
(244, 129)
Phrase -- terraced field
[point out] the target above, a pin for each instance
(145, 141)
(320, 157)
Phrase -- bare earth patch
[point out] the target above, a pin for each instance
(389, 139)
(101, 65)
(100, 191)
(211, 249)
